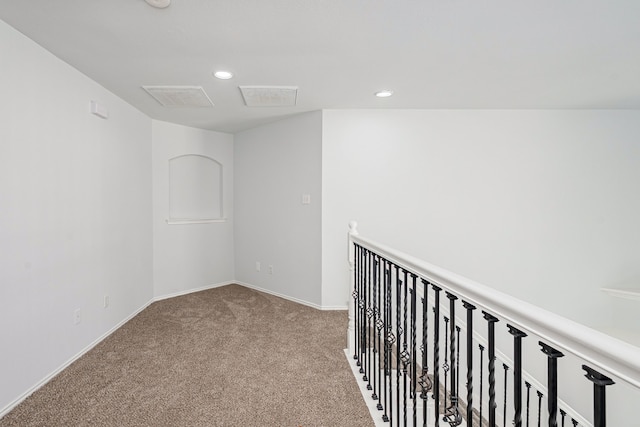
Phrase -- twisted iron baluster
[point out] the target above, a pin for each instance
(481, 375)
(425, 382)
(445, 366)
(526, 383)
(452, 414)
(436, 353)
(517, 374)
(491, 321)
(399, 333)
(562, 415)
(380, 327)
(575, 423)
(388, 342)
(504, 407)
(457, 365)
(469, 308)
(413, 348)
(359, 306)
(363, 315)
(404, 355)
(374, 321)
(368, 313)
(362, 305)
(356, 264)
(539, 405)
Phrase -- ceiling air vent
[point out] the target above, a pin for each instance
(269, 96)
(179, 96)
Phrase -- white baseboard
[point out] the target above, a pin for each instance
(256, 288)
(334, 308)
(277, 294)
(290, 298)
(66, 364)
(190, 291)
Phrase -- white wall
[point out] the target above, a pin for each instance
(542, 205)
(190, 256)
(75, 213)
(275, 165)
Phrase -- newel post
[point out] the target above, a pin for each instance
(351, 328)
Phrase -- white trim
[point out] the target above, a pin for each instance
(190, 291)
(334, 308)
(287, 297)
(603, 352)
(66, 364)
(177, 221)
(632, 294)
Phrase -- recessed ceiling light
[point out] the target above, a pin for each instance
(223, 75)
(384, 93)
(160, 4)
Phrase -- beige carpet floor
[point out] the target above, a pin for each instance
(228, 356)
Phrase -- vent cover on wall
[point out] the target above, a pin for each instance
(269, 96)
(179, 96)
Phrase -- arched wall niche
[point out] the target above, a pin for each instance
(195, 190)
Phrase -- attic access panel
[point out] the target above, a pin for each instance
(179, 96)
(269, 96)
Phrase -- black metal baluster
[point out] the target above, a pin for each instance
(359, 311)
(425, 382)
(481, 375)
(504, 403)
(517, 374)
(413, 348)
(355, 299)
(452, 352)
(574, 422)
(389, 340)
(374, 320)
(526, 383)
(404, 355)
(399, 336)
(365, 284)
(380, 327)
(539, 406)
(562, 415)
(362, 308)
(599, 396)
(452, 414)
(457, 366)
(436, 353)
(445, 366)
(469, 308)
(369, 314)
(552, 382)
(491, 321)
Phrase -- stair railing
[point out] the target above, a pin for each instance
(405, 336)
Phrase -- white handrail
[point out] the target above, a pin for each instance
(605, 353)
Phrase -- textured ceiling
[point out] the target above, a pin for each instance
(432, 54)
